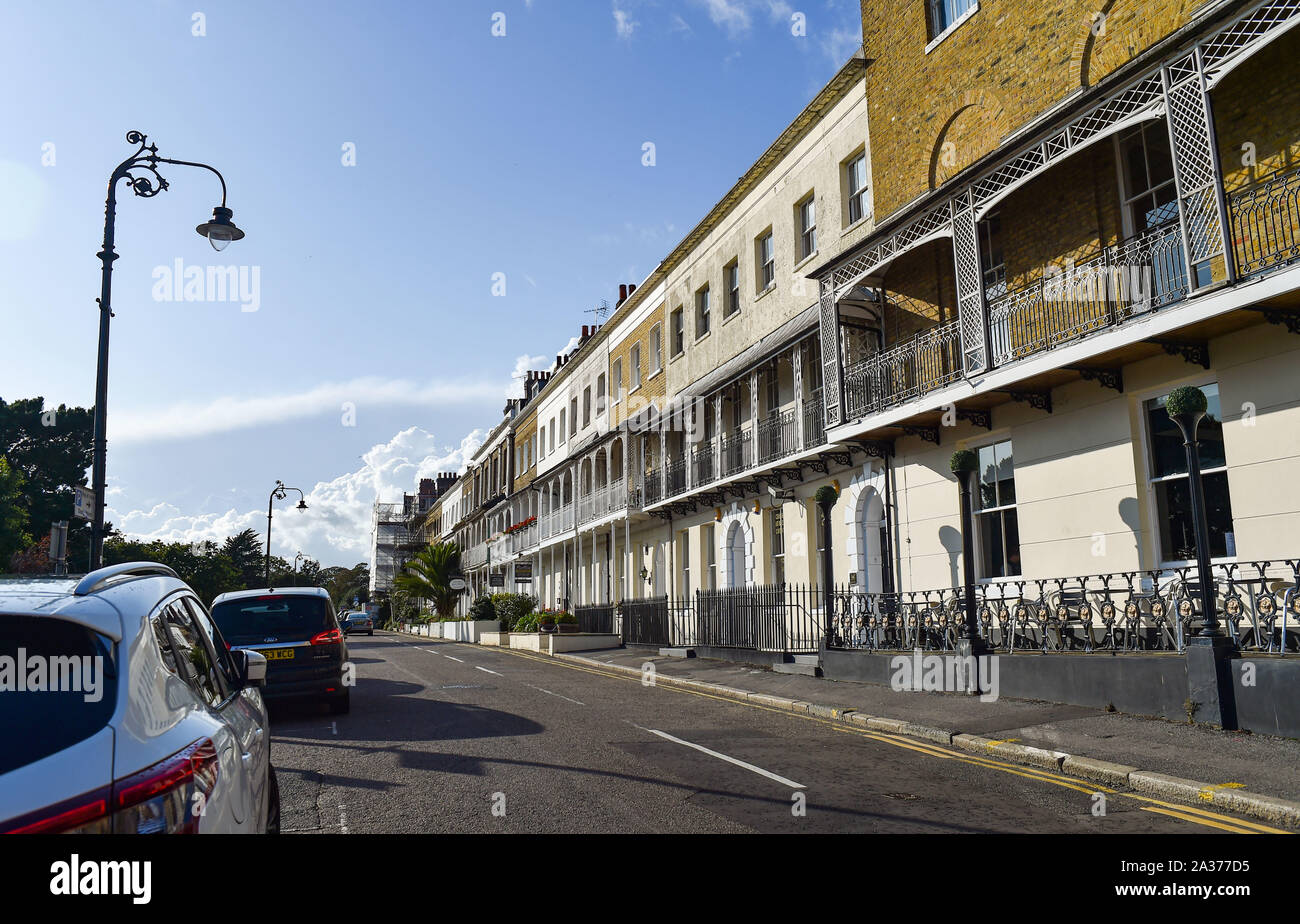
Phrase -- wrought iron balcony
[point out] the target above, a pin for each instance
(702, 460)
(737, 452)
(1266, 223)
(676, 475)
(814, 420)
(1142, 274)
(777, 436)
(653, 489)
(921, 364)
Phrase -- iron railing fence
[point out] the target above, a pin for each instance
(1257, 603)
(652, 488)
(676, 475)
(596, 617)
(777, 436)
(737, 452)
(1266, 222)
(1139, 275)
(645, 621)
(917, 366)
(814, 420)
(772, 617)
(702, 458)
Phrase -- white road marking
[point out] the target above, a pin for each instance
(335, 726)
(485, 670)
(731, 760)
(549, 693)
(343, 818)
(457, 660)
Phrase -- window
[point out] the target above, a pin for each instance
(616, 382)
(807, 228)
(562, 428)
(996, 528)
(994, 269)
(701, 312)
(819, 533)
(766, 262)
(731, 275)
(573, 416)
(542, 446)
(856, 179)
(600, 394)
(944, 14)
(1170, 486)
(710, 556)
(778, 546)
(552, 434)
(684, 556)
(656, 350)
(192, 654)
(679, 332)
(636, 366)
(586, 406)
(1149, 196)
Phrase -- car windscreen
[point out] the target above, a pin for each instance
(272, 618)
(58, 686)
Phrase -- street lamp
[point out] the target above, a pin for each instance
(220, 231)
(970, 644)
(279, 492)
(1186, 407)
(296, 560)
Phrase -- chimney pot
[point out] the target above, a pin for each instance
(631, 287)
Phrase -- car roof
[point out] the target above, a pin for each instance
(269, 591)
(113, 607)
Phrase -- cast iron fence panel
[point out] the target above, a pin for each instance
(922, 364)
(595, 617)
(773, 617)
(1257, 603)
(1266, 222)
(645, 621)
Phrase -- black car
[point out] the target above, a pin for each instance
(296, 630)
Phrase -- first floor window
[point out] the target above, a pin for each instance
(710, 556)
(856, 179)
(1172, 490)
(684, 555)
(636, 366)
(679, 333)
(656, 350)
(616, 381)
(732, 276)
(701, 312)
(766, 261)
(807, 228)
(996, 526)
(943, 13)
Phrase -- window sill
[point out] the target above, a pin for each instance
(650, 378)
(705, 336)
(763, 294)
(806, 260)
(731, 317)
(853, 226)
(956, 24)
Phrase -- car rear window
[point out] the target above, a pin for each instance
(272, 618)
(79, 695)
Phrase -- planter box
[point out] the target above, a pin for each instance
(468, 630)
(580, 641)
(528, 641)
(499, 639)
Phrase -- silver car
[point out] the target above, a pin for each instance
(124, 711)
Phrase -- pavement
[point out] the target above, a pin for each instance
(449, 738)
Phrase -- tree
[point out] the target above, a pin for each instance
(245, 552)
(52, 450)
(428, 576)
(13, 514)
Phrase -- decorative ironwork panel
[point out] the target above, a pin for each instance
(830, 338)
(1256, 25)
(970, 288)
(1196, 166)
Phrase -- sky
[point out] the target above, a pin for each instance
(435, 194)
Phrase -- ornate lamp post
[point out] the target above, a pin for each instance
(219, 231)
(279, 492)
(1186, 407)
(826, 497)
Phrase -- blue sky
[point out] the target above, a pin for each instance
(475, 154)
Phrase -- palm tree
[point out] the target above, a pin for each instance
(428, 576)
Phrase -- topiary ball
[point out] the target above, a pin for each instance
(826, 494)
(963, 460)
(1186, 399)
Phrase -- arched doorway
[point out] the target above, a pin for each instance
(871, 542)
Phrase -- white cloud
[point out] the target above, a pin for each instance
(839, 43)
(523, 365)
(624, 24)
(730, 15)
(224, 414)
(335, 527)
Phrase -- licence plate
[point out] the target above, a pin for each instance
(278, 654)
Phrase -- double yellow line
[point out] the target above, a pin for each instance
(1183, 813)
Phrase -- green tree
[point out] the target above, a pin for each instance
(13, 514)
(428, 576)
(52, 450)
(245, 552)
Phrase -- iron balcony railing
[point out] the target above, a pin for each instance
(921, 364)
(676, 477)
(1134, 277)
(703, 457)
(1266, 223)
(1256, 602)
(475, 556)
(814, 420)
(604, 500)
(737, 452)
(652, 488)
(777, 436)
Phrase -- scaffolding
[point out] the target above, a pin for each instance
(392, 541)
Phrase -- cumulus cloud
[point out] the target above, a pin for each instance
(224, 414)
(335, 528)
(624, 24)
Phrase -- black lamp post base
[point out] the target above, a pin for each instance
(1210, 678)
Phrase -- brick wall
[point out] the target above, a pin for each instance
(651, 390)
(931, 115)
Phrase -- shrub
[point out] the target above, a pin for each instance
(526, 623)
(510, 608)
(483, 608)
(566, 618)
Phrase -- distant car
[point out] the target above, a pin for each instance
(171, 738)
(296, 630)
(358, 622)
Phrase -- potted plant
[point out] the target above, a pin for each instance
(546, 622)
(567, 623)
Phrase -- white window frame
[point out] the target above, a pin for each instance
(856, 197)
(766, 262)
(806, 211)
(636, 366)
(731, 280)
(977, 510)
(656, 349)
(703, 309)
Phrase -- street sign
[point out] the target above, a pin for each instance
(457, 584)
(59, 546)
(83, 503)
(523, 572)
(496, 580)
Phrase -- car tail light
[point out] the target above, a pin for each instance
(327, 638)
(166, 798)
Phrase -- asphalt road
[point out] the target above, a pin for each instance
(449, 738)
